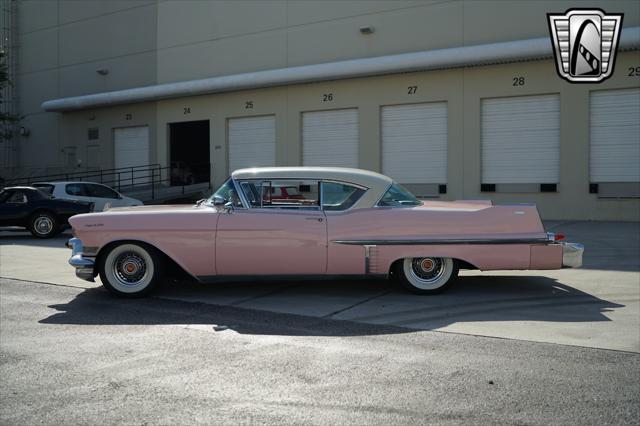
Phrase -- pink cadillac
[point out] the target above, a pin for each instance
(346, 222)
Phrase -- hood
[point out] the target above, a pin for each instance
(143, 217)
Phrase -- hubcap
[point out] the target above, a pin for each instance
(43, 225)
(427, 264)
(129, 268)
(427, 269)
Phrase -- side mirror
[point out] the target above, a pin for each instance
(219, 201)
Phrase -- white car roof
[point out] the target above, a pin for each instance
(357, 176)
(375, 182)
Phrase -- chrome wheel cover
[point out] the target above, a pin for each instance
(43, 225)
(428, 273)
(129, 268)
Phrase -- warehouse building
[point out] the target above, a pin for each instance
(453, 99)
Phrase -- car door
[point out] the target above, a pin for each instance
(280, 238)
(102, 195)
(77, 191)
(14, 208)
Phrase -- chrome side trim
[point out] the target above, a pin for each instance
(367, 258)
(572, 255)
(443, 241)
(84, 266)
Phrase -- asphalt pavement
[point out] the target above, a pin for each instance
(77, 356)
(514, 347)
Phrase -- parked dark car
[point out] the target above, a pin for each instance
(35, 210)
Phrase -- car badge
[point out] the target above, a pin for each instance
(584, 44)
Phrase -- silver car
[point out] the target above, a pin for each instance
(101, 195)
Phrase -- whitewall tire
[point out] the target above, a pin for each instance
(130, 269)
(427, 275)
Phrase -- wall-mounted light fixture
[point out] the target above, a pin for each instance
(24, 131)
(367, 30)
(102, 71)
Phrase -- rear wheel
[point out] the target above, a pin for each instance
(130, 269)
(43, 225)
(427, 275)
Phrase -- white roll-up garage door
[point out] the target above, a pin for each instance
(615, 136)
(330, 138)
(521, 139)
(252, 142)
(414, 142)
(131, 146)
(131, 149)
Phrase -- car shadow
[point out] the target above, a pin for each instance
(96, 307)
(379, 307)
(485, 298)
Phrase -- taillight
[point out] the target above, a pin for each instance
(554, 237)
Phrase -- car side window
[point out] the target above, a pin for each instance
(291, 194)
(397, 196)
(100, 191)
(251, 191)
(282, 193)
(340, 196)
(76, 189)
(17, 197)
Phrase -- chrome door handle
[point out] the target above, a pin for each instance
(319, 219)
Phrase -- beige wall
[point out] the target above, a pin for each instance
(148, 42)
(463, 91)
(198, 39)
(61, 44)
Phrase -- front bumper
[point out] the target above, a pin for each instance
(84, 265)
(572, 255)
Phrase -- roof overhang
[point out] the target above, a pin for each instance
(456, 57)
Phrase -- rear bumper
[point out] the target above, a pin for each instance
(85, 266)
(572, 255)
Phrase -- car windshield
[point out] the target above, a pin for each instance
(228, 192)
(397, 196)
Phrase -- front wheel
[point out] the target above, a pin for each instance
(43, 225)
(427, 275)
(130, 269)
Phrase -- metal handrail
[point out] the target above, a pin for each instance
(77, 175)
(122, 179)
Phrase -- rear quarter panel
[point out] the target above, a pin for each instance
(435, 220)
